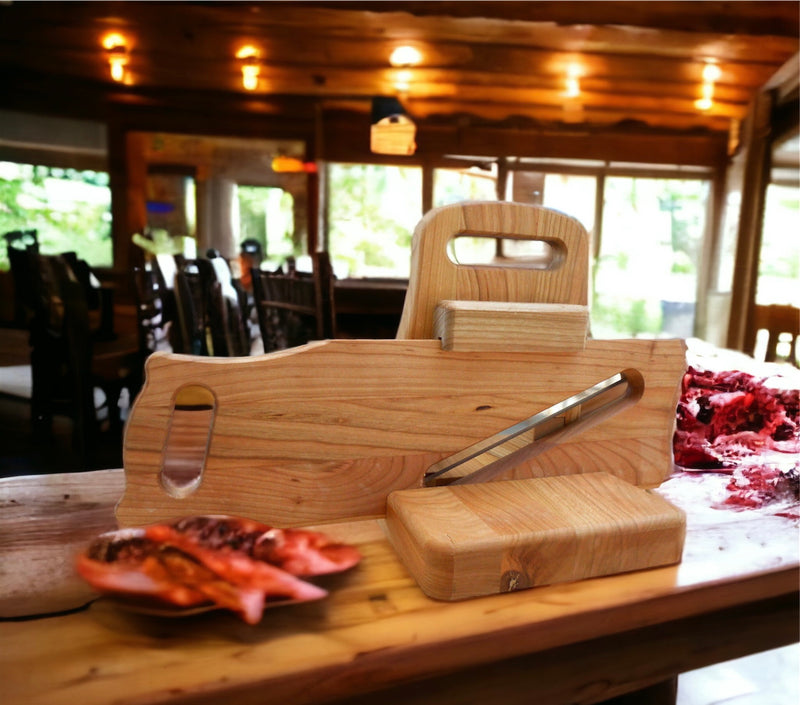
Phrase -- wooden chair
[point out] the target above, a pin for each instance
(68, 363)
(226, 306)
(782, 324)
(151, 319)
(19, 244)
(190, 304)
(165, 270)
(202, 306)
(325, 299)
(294, 309)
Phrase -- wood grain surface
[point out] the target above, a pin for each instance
(469, 540)
(378, 630)
(326, 431)
(436, 277)
(477, 326)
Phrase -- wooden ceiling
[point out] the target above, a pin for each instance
(499, 62)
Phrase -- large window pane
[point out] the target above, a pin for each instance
(468, 184)
(266, 215)
(779, 264)
(645, 278)
(572, 194)
(70, 209)
(372, 213)
(473, 184)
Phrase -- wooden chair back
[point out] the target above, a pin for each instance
(294, 309)
(151, 319)
(782, 323)
(225, 308)
(325, 299)
(21, 245)
(190, 308)
(68, 361)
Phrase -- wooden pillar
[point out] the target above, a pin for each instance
(215, 216)
(753, 186)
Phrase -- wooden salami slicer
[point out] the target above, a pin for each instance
(334, 429)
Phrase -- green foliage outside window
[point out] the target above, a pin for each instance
(372, 214)
(70, 209)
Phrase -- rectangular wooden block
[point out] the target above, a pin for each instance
(477, 326)
(461, 541)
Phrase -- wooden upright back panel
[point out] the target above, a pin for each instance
(435, 277)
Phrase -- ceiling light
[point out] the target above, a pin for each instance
(250, 65)
(116, 48)
(711, 73)
(573, 87)
(573, 81)
(402, 81)
(405, 56)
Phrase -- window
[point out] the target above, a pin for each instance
(266, 215)
(645, 277)
(573, 194)
(647, 245)
(779, 263)
(70, 209)
(476, 183)
(372, 213)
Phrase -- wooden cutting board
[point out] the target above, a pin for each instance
(470, 540)
(326, 431)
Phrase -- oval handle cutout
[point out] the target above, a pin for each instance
(489, 250)
(188, 439)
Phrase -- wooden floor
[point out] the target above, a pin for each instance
(770, 678)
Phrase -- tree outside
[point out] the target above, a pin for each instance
(70, 210)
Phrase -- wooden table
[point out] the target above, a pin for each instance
(369, 307)
(377, 638)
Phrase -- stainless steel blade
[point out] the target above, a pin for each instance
(525, 439)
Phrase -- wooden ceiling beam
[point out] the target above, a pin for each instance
(639, 61)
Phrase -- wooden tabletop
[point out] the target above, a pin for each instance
(735, 592)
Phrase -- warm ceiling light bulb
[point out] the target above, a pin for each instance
(248, 55)
(711, 72)
(405, 56)
(573, 80)
(248, 51)
(250, 71)
(117, 48)
(113, 40)
(706, 101)
(117, 65)
(573, 87)
(402, 81)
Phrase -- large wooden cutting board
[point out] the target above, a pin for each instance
(326, 431)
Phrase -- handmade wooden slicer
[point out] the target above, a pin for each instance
(346, 429)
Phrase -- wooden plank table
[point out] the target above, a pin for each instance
(377, 638)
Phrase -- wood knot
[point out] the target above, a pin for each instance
(514, 580)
